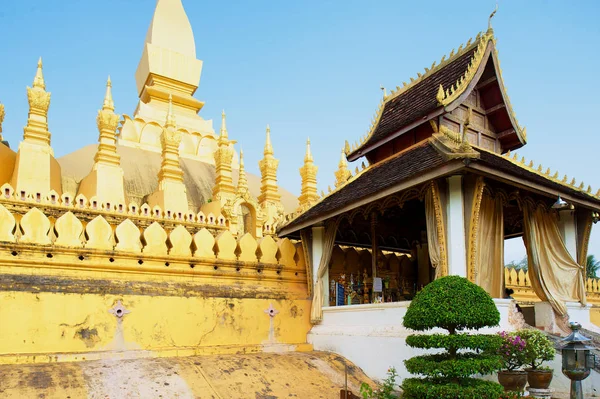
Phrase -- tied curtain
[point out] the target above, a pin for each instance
(436, 237)
(489, 246)
(555, 276)
(306, 240)
(316, 311)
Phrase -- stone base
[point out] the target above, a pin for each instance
(540, 393)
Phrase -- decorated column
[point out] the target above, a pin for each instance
(223, 189)
(269, 198)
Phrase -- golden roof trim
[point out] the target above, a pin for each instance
(547, 174)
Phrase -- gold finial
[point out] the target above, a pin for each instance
(548, 172)
(223, 125)
(565, 178)
(589, 189)
(329, 188)
(170, 116)
(308, 157)
(507, 155)
(384, 92)
(108, 104)
(356, 171)
(598, 193)
(531, 164)
(539, 169)
(268, 145)
(555, 176)
(581, 185)
(515, 156)
(38, 81)
(573, 182)
(242, 179)
(492, 16)
(322, 193)
(346, 147)
(363, 165)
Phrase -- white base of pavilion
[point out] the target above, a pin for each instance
(373, 338)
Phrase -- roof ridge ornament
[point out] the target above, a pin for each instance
(492, 16)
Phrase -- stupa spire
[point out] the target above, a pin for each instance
(105, 181)
(242, 187)
(109, 104)
(224, 133)
(171, 194)
(308, 173)
(38, 80)
(223, 188)
(170, 115)
(343, 173)
(36, 130)
(35, 167)
(269, 192)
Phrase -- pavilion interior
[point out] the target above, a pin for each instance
(398, 225)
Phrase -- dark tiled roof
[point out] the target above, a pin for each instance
(503, 164)
(412, 162)
(420, 99)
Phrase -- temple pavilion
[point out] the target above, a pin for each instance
(444, 187)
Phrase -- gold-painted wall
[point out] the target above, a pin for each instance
(186, 289)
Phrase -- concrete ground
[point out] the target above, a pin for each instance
(256, 376)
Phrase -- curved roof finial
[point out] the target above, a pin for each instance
(492, 16)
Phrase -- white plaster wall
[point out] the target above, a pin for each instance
(372, 337)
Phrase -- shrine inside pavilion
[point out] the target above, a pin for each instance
(443, 190)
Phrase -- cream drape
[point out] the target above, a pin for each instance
(306, 239)
(436, 236)
(555, 276)
(316, 311)
(489, 246)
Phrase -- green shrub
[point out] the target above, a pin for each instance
(385, 392)
(538, 347)
(454, 304)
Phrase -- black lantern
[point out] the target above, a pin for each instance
(577, 359)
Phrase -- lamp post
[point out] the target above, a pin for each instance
(577, 361)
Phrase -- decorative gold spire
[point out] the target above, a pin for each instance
(107, 122)
(36, 130)
(171, 193)
(343, 173)
(308, 173)
(109, 104)
(170, 115)
(268, 145)
(269, 192)
(224, 133)
(38, 81)
(242, 187)
(105, 181)
(223, 188)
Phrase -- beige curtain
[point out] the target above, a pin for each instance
(436, 236)
(316, 312)
(489, 246)
(555, 276)
(306, 239)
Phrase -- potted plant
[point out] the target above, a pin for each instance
(512, 352)
(538, 349)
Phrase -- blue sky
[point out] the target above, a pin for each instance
(311, 68)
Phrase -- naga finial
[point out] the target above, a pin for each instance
(384, 92)
(492, 16)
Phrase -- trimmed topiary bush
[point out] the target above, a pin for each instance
(454, 304)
